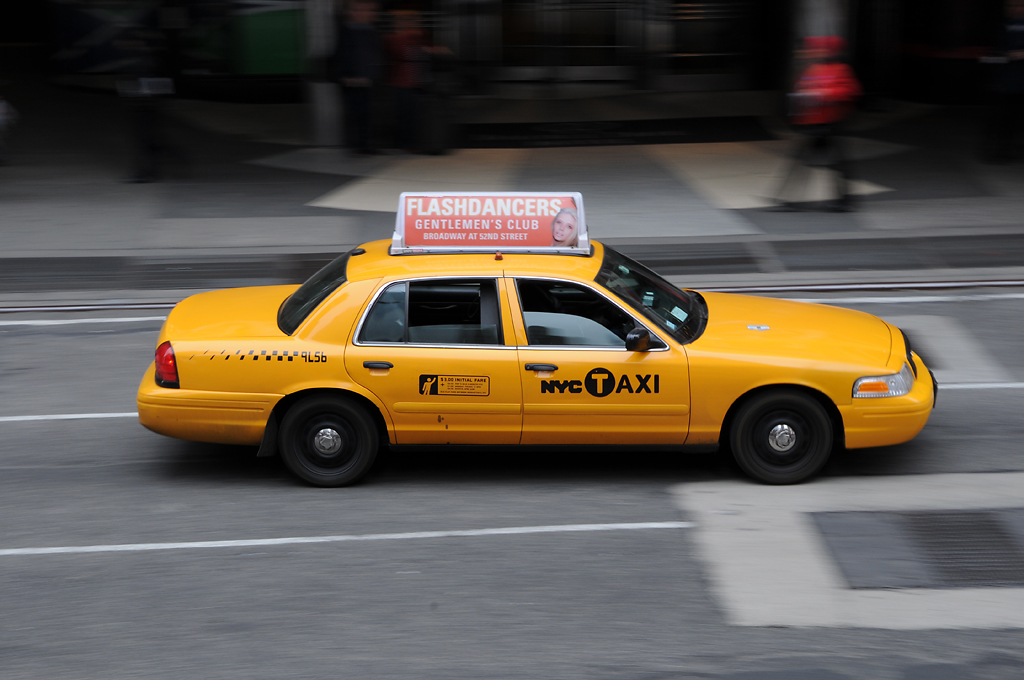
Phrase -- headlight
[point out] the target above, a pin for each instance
(895, 385)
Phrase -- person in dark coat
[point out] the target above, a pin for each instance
(141, 45)
(357, 62)
(8, 117)
(1008, 85)
(407, 58)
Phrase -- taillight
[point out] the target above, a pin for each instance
(166, 367)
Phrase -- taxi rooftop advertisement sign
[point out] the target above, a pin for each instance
(510, 222)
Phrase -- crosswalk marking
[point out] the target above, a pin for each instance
(769, 565)
(950, 350)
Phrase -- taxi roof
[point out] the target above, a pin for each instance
(377, 262)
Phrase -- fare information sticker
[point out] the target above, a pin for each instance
(455, 385)
(488, 222)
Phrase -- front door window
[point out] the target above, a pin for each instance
(580, 383)
(563, 313)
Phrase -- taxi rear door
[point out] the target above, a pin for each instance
(435, 352)
(580, 384)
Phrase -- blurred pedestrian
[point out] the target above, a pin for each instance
(1008, 86)
(142, 89)
(8, 117)
(822, 100)
(356, 64)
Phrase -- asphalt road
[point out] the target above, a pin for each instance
(623, 603)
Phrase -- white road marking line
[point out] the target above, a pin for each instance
(983, 386)
(769, 565)
(69, 322)
(910, 299)
(134, 414)
(834, 287)
(67, 416)
(293, 540)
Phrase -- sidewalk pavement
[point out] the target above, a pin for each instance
(928, 209)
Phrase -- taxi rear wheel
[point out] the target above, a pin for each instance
(781, 437)
(328, 441)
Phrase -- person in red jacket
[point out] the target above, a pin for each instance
(824, 98)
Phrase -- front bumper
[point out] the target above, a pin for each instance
(891, 420)
(199, 415)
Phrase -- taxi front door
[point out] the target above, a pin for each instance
(434, 352)
(580, 384)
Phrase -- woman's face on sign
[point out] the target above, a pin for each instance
(563, 227)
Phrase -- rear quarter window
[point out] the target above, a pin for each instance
(308, 297)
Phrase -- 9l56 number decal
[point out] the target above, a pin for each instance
(314, 357)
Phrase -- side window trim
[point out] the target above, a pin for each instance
(408, 285)
(405, 310)
(589, 348)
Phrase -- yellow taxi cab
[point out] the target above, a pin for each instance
(495, 320)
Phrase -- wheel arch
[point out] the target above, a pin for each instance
(269, 445)
(836, 418)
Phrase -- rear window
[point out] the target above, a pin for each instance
(310, 294)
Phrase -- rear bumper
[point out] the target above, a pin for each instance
(197, 415)
(887, 421)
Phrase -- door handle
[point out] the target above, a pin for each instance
(541, 367)
(378, 364)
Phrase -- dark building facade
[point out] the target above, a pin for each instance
(928, 50)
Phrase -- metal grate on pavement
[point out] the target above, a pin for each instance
(967, 549)
(926, 549)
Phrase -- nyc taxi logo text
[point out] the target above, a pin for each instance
(601, 382)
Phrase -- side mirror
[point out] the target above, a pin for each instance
(638, 340)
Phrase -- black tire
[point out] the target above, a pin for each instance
(798, 448)
(328, 441)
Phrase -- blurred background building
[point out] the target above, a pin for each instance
(648, 44)
(279, 50)
(925, 49)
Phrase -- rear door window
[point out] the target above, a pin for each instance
(435, 312)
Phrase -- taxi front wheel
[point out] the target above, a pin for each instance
(781, 437)
(328, 441)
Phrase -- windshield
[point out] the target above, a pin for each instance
(310, 294)
(681, 313)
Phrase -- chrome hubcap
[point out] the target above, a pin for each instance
(782, 438)
(327, 442)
